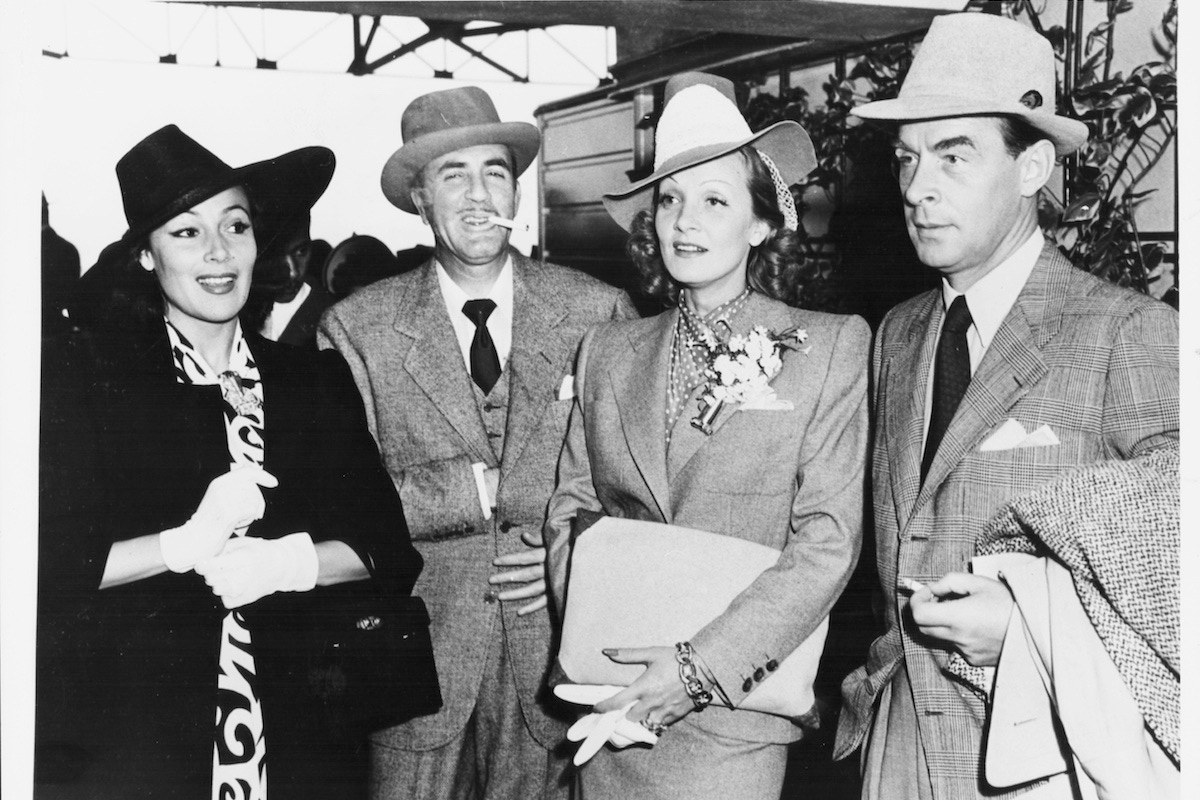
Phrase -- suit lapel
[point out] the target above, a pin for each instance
(907, 378)
(537, 360)
(1012, 364)
(435, 362)
(640, 389)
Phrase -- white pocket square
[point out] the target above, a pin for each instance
(766, 400)
(566, 390)
(1012, 435)
(768, 404)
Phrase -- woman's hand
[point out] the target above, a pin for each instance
(250, 568)
(232, 501)
(659, 694)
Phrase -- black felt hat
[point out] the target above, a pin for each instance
(169, 172)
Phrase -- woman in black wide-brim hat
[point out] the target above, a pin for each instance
(204, 493)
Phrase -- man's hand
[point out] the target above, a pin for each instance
(968, 611)
(530, 571)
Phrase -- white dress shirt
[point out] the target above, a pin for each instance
(499, 326)
(989, 300)
(282, 313)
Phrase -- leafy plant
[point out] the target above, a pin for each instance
(1132, 123)
(1131, 119)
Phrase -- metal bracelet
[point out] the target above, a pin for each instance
(692, 684)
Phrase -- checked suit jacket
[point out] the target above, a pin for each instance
(788, 478)
(1096, 363)
(421, 408)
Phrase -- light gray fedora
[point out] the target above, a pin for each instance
(971, 64)
(441, 122)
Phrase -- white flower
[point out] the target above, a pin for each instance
(772, 364)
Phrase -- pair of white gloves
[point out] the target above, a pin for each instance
(595, 729)
(240, 569)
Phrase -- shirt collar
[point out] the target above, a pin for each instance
(501, 292)
(991, 297)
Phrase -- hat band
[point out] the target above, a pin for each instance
(783, 195)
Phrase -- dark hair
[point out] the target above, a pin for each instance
(1018, 134)
(118, 294)
(773, 268)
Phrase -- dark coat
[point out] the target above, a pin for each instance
(301, 330)
(127, 675)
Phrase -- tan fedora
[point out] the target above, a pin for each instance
(441, 122)
(971, 64)
(700, 122)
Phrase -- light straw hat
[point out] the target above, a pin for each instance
(700, 122)
(971, 64)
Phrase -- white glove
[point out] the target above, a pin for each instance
(231, 501)
(250, 568)
(595, 729)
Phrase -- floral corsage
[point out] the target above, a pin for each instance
(740, 369)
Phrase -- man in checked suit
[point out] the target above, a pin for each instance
(1019, 368)
(466, 369)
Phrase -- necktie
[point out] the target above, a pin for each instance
(952, 373)
(485, 363)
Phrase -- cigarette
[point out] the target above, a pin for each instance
(909, 585)
(508, 223)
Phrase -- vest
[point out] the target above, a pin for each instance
(493, 410)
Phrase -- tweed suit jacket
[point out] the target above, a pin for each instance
(1097, 364)
(789, 479)
(421, 407)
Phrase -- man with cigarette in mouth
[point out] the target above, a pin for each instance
(991, 393)
(466, 369)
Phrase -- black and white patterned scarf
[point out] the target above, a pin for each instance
(689, 355)
(239, 750)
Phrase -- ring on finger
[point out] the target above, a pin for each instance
(657, 728)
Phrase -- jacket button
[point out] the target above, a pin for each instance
(772, 665)
(468, 528)
(506, 526)
(490, 596)
(759, 674)
(747, 685)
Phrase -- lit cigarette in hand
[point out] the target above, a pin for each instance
(909, 585)
(508, 223)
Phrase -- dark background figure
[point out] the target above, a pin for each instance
(318, 254)
(361, 260)
(60, 271)
(286, 303)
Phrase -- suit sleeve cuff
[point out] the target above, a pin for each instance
(481, 484)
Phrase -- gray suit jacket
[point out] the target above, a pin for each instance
(420, 403)
(789, 479)
(1098, 364)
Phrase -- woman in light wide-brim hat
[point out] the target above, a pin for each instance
(204, 491)
(734, 413)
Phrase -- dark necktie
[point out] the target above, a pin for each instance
(951, 374)
(485, 363)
